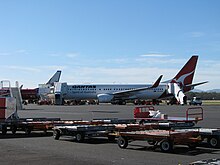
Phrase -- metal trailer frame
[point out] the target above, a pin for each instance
(164, 138)
(192, 115)
(44, 124)
(211, 136)
(80, 132)
(27, 125)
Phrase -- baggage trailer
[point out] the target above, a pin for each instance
(27, 125)
(80, 132)
(149, 114)
(211, 136)
(164, 138)
(44, 124)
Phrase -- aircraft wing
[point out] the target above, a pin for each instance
(128, 92)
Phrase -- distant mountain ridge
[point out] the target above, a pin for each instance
(209, 91)
(214, 90)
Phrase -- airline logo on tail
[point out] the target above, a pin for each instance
(185, 76)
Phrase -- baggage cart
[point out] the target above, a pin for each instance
(164, 138)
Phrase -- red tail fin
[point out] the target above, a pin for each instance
(186, 74)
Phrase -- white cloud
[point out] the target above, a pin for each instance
(116, 75)
(68, 55)
(23, 51)
(5, 54)
(28, 69)
(54, 55)
(52, 67)
(72, 55)
(195, 34)
(157, 61)
(155, 55)
(16, 52)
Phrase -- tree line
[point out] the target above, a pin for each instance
(204, 95)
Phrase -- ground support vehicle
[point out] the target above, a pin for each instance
(44, 124)
(9, 119)
(147, 102)
(149, 114)
(27, 125)
(80, 132)
(208, 135)
(195, 101)
(164, 138)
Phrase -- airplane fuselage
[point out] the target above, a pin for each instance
(106, 93)
(81, 92)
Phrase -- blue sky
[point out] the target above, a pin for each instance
(108, 41)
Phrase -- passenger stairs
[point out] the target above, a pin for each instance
(14, 92)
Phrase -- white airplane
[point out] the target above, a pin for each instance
(105, 93)
(43, 89)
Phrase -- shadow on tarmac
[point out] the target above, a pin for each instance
(105, 111)
(90, 140)
(178, 150)
(31, 109)
(23, 135)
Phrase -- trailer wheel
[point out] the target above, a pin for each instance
(142, 121)
(13, 129)
(214, 141)
(4, 130)
(80, 137)
(122, 142)
(27, 130)
(166, 146)
(56, 134)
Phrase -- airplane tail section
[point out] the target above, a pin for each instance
(186, 74)
(54, 78)
(182, 82)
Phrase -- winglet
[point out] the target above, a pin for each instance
(193, 85)
(157, 82)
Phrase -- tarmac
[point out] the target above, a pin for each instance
(39, 148)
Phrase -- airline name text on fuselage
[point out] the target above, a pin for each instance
(84, 86)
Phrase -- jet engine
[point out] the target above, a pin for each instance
(105, 98)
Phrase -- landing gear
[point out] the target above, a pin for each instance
(119, 102)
